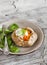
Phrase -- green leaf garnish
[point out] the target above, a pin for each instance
(2, 40)
(12, 27)
(14, 49)
(0, 30)
(22, 32)
(8, 32)
(11, 45)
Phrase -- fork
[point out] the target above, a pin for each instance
(6, 48)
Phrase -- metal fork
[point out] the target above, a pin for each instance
(6, 48)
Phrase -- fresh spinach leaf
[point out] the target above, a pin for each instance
(2, 40)
(14, 49)
(11, 45)
(12, 27)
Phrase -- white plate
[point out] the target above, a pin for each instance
(36, 28)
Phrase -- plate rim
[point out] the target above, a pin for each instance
(34, 25)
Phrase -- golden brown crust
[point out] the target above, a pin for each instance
(17, 41)
(20, 42)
